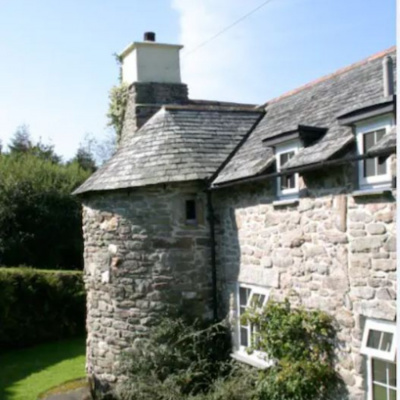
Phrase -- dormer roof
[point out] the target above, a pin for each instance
(317, 104)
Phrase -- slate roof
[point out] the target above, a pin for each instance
(179, 143)
(317, 104)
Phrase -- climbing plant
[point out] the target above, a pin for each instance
(300, 343)
(118, 100)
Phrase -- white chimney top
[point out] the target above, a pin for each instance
(149, 61)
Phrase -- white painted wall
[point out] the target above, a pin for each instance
(151, 62)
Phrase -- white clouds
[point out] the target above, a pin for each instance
(219, 70)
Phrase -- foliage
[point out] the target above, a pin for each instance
(300, 343)
(84, 159)
(182, 361)
(21, 144)
(118, 100)
(178, 360)
(25, 373)
(21, 141)
(37, 306)
(40, 222)
(238, 385)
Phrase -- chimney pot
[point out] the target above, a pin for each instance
(149, 36)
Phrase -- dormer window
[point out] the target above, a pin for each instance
(373, 172)
(288, 184)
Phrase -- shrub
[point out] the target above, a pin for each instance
(178, 359)
(40, 222)
(36, 306)
(301, 345)
(181, 361)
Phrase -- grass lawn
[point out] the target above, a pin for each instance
(27, 372)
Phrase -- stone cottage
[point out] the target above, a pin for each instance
(207, 204)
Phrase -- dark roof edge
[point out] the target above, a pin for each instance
(303, 132)
(131, 188)
(329, 76)
(306, 168)
(236, 149)
(366, 113)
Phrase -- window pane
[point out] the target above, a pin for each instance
(387, 340)
(379, 135)
(243, 293)
(369, 141)
(374, 337)
(369, 167)
(244, 337)
(381, 165)
(392, 395)
(392, 374)
(257, 300)
(285, 157)
(380, 393)
(288, 182)
(291, 181)
(379, 371)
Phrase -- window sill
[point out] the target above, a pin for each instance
(372, 192)
(285, 203)
(254, 362)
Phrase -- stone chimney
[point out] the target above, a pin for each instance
(152, 70)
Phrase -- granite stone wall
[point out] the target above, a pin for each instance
(332, 251)
(141, 258)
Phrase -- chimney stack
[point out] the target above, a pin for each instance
(388, 78)
(153, 74)
(149, 61)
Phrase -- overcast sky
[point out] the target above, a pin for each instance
(56, 64)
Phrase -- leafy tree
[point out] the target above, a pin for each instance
(21, 141)
(45, 152)
(85, 159)
(40, 222)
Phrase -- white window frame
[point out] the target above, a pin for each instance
(280, 149)
(386, 356)
(371, 125)
(255, 358)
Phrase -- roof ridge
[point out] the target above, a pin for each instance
(191, 107)
(329, 76)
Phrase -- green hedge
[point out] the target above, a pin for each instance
(37, 305)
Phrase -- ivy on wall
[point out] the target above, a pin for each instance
(118, 100)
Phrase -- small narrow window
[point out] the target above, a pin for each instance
(191, 215)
